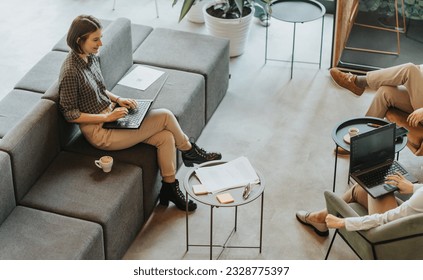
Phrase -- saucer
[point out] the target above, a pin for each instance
(347, 138)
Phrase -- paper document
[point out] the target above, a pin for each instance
(233, 174)
(141, 77)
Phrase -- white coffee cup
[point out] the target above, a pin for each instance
(353, 131)
(105, 163)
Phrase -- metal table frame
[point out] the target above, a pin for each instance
(213, 203)
(295, 21)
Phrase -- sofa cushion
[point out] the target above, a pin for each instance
(74, 186)
(183, 94)
(30, 234)
(191, 52)
(67, 130)
(43, 74)
(139, 33)
(32, 145)
(116, 53)
(142, 155)
(7, 196)
(14, 106)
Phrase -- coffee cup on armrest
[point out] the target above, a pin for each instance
(105, 163)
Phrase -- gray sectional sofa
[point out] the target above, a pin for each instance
(54, 202)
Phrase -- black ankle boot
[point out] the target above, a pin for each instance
(198, 155)
(172, 192)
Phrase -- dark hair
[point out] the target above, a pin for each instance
(81, 27)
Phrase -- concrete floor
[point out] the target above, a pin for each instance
(282, 125)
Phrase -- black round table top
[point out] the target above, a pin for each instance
(297, 10)
(362, 123)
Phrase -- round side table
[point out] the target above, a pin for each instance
(296, 11)
(211, 200)
(364, 124)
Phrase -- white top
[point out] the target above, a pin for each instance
(412, 206)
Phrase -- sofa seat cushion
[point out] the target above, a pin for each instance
(30, 234)
(415, 134)
(43, 74)
(14, 106)
(183, 94)
(142, 155)
(190, 52)
(74, 186)
(7, 196)
(116, 53)
(139, 34)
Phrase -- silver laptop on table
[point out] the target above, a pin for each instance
(135, 116)
(372, 158)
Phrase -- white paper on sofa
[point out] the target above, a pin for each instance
(141, 77)
(233, 174)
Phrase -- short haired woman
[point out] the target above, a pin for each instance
(84, 99)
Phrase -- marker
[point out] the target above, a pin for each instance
(374, 125)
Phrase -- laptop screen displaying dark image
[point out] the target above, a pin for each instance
(372, 148)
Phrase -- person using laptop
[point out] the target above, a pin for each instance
(381, 210)
(398, 86)
(84, 99)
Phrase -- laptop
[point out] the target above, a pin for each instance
(372, 158)
(135, 116)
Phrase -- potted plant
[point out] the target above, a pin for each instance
(195, 13)
(229, 19)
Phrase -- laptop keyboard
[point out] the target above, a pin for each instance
(135, 115)
(378, 176)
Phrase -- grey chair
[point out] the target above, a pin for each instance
(400, 239)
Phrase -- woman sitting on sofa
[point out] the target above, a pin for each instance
(85, 100)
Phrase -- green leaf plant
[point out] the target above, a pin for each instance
(224, 9)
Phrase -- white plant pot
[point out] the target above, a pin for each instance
(236, 30)
(195, 14)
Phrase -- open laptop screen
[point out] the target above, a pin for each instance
(372, 148)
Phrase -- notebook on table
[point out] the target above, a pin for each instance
(135, 116)
(372, 158)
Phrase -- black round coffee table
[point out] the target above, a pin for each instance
(296, 11)
(364, 124)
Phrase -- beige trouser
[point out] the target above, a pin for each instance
(379, 205)
(160, 129)
(399, 86)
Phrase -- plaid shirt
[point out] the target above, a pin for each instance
(81, 87)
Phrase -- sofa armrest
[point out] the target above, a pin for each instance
(337, 207)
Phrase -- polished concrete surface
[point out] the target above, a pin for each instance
(282, 125)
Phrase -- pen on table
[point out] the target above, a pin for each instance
(374, 125)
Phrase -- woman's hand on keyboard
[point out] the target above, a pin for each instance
(117, 113)
(127, 103)
(398, 180)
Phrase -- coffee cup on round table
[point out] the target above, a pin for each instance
(105, 163)
(353, 131)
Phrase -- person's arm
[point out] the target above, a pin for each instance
(117, 113)
(412, 206)
(68, 100)
(123, 102)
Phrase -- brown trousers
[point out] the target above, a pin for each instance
(399, 86)
(373, 206)
(160, 129)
